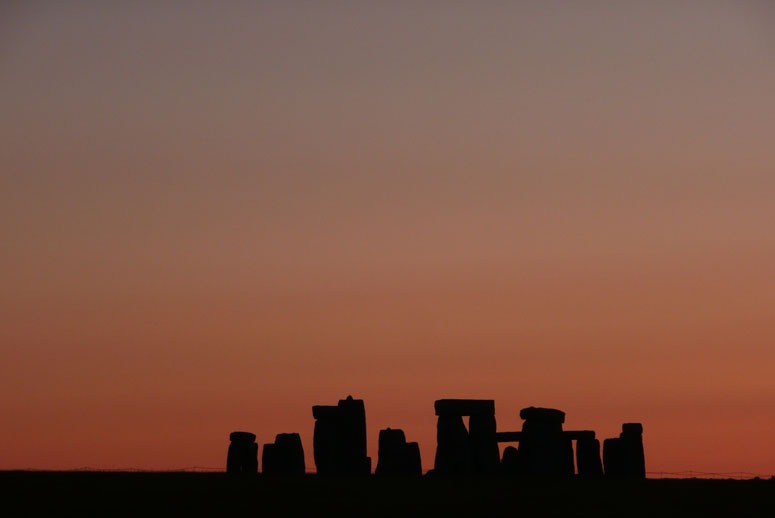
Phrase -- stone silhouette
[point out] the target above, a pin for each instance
(546, 449)
(623, 457)
(510, 461)
(396, 456)
(460, 450)
(543, 448)
(588, 461)
(242, 456)
(463, 448)
(339, 441)
(285, 456)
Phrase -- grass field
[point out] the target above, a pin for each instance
(216, 494)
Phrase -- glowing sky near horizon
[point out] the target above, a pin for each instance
(214, 216)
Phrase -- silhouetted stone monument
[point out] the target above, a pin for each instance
(623, 457)
(268, 462)
(339, 442)
(543, 448)
(396, 456)
(242, 456)
(588, 461)
(413, 460)
(510, 461)
(285, 456)
(613, 458)
(460, 450)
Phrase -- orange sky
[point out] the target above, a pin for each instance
(215, 217)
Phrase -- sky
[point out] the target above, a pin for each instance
(216, 215)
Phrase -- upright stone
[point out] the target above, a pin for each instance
(391, 454)
(588, 458)
(286, 455)
(510, 461)
(324, 441)
(268, 459)
(543, 449)
(339, 441)
(634, 460)
(242, 456)
(413, 460)
(457, 450)
(396, 456)
(453, 452)
(351, 437)
(613, 458)
(484, 446)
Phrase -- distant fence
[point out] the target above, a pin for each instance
(736, 475)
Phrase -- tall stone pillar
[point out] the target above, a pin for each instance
(588, 458)
(242, 456)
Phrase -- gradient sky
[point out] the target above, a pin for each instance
(215, 215)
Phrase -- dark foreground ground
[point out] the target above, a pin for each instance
(216, 494)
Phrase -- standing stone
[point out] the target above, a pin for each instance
(292, 453)
(324, 441)
(459, 451)
(623, 457)
(510, 461)
(339, 442)
(543, 449)
(396, 456)
(392, 449)
(413, 460)
(484, 446)
(285, 456)
(242, 456)
(588, 458)
(453, 452)
(613, 458)
(632, 450)
(351, 438)
(268, 459)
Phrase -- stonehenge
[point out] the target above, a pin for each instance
(467, 443)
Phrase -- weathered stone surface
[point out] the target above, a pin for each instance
(464, 407)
